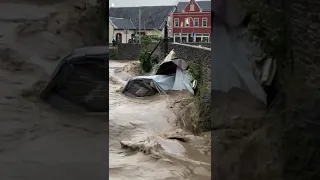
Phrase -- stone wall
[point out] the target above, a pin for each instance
(124, 52)
(303, 99)
(200, 59)
(131, 51)
(202, 44)
(304, 28)
(200, 56)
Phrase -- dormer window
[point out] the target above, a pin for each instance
(191, 7)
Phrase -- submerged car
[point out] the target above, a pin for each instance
(172, 74)
(80, 81)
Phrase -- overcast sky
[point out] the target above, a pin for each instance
(132, 3)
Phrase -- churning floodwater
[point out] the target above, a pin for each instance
(144, 143)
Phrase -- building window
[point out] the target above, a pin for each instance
(176, 22)
(205, 38)
(187, 22)
(191, 7)
(180, 37)
(198, 39)
(190, 38)
(196, 22)
(202, 37)
(204, 22)
(176, 38)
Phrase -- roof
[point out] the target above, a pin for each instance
(121, 23)
(204, 5)
(152, 17)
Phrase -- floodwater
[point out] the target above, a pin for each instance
(144, 143)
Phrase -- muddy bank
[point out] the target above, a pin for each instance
(144, 141)
(37, 141)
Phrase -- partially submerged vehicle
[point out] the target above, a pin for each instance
(80, 81)
(172, 74)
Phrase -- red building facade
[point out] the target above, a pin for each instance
(191, 22)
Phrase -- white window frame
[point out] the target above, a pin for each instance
(202, 36)
(185, 22)
(197, 36)
(204, 19)
(174, 22)
(179, 36)
(175, 35)
(205, 36)
(191, 7)
(194, 20)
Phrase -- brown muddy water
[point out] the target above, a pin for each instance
(144, 142)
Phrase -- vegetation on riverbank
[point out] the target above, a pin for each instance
(202, 100)
(145, 51)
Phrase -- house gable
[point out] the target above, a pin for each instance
(192, 6)
(203, 6)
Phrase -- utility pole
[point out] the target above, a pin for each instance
(166, 39)
(181, 26)
(139, 26)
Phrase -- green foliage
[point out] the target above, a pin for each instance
(266, 29)
(112, 54)
(146, 64)
(145, 50)
(204, 40)
(194, 70)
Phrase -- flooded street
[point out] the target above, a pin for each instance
(144, 142)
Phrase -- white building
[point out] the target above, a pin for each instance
(121, 29)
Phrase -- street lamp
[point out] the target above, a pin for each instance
(181, 32)
(193, 34)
